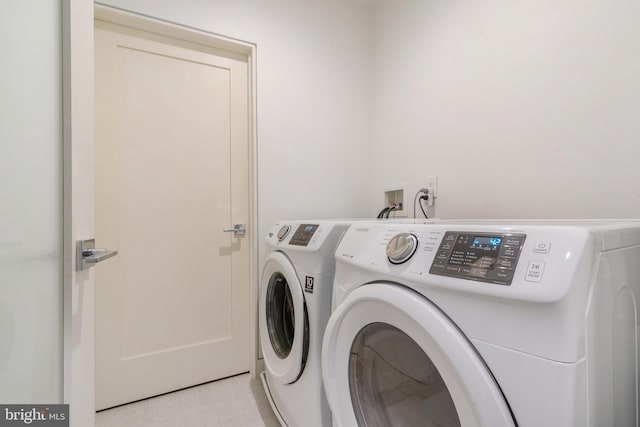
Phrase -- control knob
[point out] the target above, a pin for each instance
(401, 247)
(282, 233)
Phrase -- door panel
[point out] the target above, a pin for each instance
(171, 174)
(31, 206)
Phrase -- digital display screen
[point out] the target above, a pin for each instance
(309, 228)
(488, 243)
(475, 251)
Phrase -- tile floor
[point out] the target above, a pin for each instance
(234, 402)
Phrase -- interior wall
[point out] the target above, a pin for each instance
(521, 109)
(312, 96)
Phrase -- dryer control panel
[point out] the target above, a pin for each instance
(303, 234)
(483, 257)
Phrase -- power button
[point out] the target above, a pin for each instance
(542, 247)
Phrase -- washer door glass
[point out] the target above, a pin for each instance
(281, 317)
(394, 383)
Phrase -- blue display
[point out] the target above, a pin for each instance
(483, 242)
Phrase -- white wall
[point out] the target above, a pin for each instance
(522, 109)
(313, 65)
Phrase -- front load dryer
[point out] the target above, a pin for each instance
(294, 307)
(481, 323)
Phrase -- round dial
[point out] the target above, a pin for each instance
(282, 233)
(401, 247)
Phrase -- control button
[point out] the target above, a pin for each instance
(510, 251)
(506, 262)
(442, 255)
(505, 275)
(542, 247)
(534, 271)
(513, 241)
(485, 262)
(452, 269)
(478, 272)
(450, 237)
(446, 246)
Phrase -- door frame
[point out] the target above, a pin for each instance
(78, 18)
(77, 159)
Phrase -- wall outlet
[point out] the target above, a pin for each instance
(432, 184)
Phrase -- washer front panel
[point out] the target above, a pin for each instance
(476, 397)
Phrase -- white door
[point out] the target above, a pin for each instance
(390, 357)
(31, 204)
(46, 307)
(172, 172)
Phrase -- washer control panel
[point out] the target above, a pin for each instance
(479, 256)
(303, 234)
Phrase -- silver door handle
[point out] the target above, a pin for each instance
(238, 229)
(87, 255)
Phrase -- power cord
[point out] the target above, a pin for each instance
(416, 201)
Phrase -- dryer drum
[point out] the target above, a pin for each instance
(280, 315)
(394, 383)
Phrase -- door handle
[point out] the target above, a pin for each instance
(238, 230)
(87, 255)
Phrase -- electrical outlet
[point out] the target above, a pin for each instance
(432, 184)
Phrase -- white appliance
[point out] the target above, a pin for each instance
(294, 307)
(481, 323)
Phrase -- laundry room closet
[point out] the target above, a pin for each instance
(502, 109)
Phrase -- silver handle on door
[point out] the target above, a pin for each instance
(87, 255)
(238, 229)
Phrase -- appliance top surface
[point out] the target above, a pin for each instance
(614, 233)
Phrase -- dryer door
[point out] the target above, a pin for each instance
(392, 358)
(283, 324)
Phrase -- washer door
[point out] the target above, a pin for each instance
(392, 358)
(284, 323)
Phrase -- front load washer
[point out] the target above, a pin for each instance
(294, 307)
(481, 323)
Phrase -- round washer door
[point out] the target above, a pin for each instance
(390, 357)
(283, 324)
